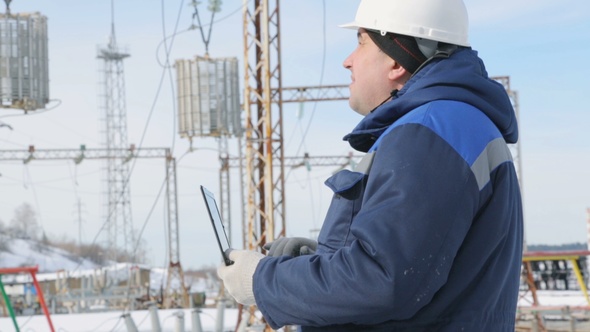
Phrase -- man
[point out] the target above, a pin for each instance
(426, 234)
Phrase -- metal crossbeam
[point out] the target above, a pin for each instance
(78, 155)
(306, 160)
(175, 271)
(314, 93)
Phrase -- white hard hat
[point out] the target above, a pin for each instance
(439, 20)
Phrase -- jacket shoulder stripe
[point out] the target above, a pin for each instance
(470, 132)
(461, 125)
(495, 153)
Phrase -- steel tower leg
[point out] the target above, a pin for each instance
(117, 212)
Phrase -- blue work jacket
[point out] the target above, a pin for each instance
(426, 233)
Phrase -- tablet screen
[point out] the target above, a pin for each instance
(217, 224)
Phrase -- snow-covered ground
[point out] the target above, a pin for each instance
(50, 260)
(114, 321)
(22, 252)
(169, 319)
(548, 298)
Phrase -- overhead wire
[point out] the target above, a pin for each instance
(24, 324)
(75, 185)
(168, 48)
(321, 80)
(322, 71)
(37, 205)
(16, 130)
(131, 171)
(304, 133)
(165, 69)
(60, 179)
(13, 143)
(213, 8)
(192, 27)
(30, 136)
(36, 112)
(81, 135)
(167, 66)
(136, 247)
(143, 319)
(163, 42)
(143, 136)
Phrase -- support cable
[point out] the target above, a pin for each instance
(145, 129)
(214, 7)
(322, 70)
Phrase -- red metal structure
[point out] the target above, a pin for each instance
(32, 270)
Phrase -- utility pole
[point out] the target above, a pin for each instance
(117, 212)
(265, 214)
(263, 106)
(79, 220)
(263, 94)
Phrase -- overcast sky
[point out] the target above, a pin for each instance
(542, 45)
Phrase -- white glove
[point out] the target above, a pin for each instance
(237, 277)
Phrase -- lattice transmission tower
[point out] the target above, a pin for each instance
(116, 192)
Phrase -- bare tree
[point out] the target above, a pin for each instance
(24, 223)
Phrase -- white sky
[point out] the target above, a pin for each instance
(542, 45)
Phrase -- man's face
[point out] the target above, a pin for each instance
(369, 68)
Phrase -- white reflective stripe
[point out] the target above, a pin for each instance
(495, 153)
(364, 166)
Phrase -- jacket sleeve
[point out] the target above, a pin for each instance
(419, 202)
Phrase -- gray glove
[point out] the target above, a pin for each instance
(291, 246)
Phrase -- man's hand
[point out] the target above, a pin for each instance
(237, 277)
(291, 246)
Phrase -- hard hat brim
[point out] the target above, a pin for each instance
(351, 25)
(438, 20)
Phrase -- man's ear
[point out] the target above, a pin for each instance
(397, 73)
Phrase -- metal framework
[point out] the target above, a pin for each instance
(117, 211)
(265, 213)
(175, 273)
(224, 185)
(32, 270)
(265, 208)
(514, 148)
(307, 160)
(315, 93)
